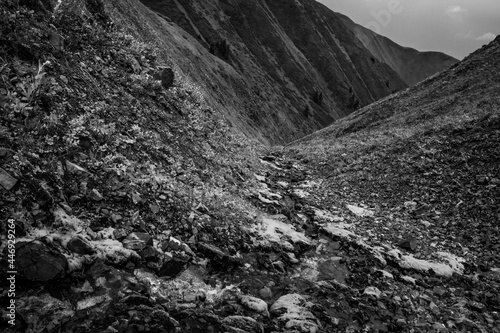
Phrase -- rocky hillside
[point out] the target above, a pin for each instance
(136, 207)
(412, 66)
(426, 163)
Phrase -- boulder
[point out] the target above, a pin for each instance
(80, 245)
(96, 195)
(254, 304)
(137, 241)
(219, 259)
(409, 244)
(6, 180)
(359, 211)
(295, 312)
(38, 262)
(43, 313)
(173, 267)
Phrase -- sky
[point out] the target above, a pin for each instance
(455, 27)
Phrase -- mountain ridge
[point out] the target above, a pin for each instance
(136, 207)
(412, 66)
(300, 48)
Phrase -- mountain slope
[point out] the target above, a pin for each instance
(427, 157)
(280, 54)
(412, 66)
(129, 205)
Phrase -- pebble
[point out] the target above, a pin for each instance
(6, 180)
(96, 195)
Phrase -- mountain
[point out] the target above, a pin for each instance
(278, 70)
(130, 204)
(284, 53)
(412, 66)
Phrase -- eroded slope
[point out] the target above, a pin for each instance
(412, 66)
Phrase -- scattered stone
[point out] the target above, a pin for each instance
(137, 241)
(90, 302)
(332, 269)
(219, 259)
(476, 306)
(173, 267)
(74, 168)
(426, 223)
(409, 279)
(85, 288)
(385, 274)
(294, 311)
(292, 258)
(38, 262)
(372, 291)
(409, 244)
(481, 180)
(42, 312)
(279, 266)
(255, 304)
(411, 205)
(134, 64)
(119, 234)
(155, 209)
(56, 40)
(260, 178)
(266, 292)
(361, 212)
(173, 244)
(115, 218)
(149, 253)
(80, 245)
(95, 195)
(6, 180)
(136, 198)
(66, 207)
(439, 291)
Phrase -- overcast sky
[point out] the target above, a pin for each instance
(456, 27)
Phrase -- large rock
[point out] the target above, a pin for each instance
(6, 180)
(80, 245)
(254, 304)
(173, 267)
(38, 262)
(293, 310)
(219, 259)
(43, 313)
(137, 241)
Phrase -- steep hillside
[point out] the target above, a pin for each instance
(426, 163)
(285, 67)
(412, 66)
(128, 203)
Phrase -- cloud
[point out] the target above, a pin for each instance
(456, 12)
(487, 37)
